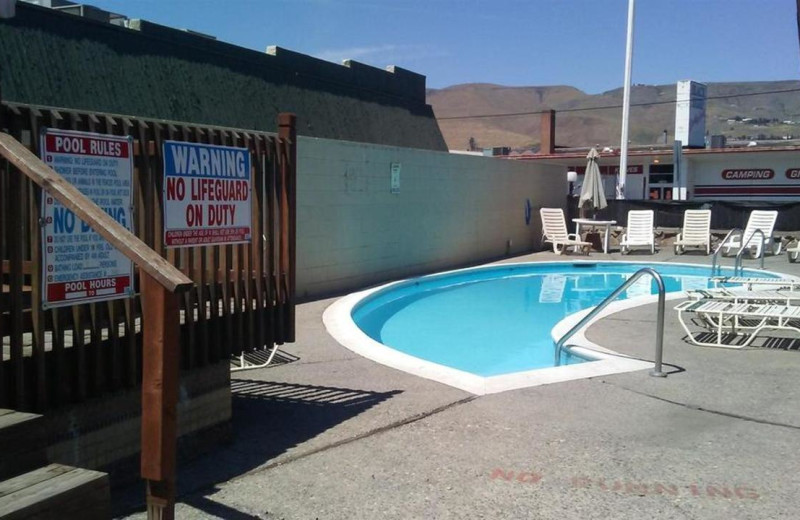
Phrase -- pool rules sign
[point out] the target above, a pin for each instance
(79, 265)
(207, 194)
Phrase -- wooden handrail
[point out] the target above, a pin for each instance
(172, 279)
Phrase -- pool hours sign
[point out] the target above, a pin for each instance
(206, 194)
(79, 265)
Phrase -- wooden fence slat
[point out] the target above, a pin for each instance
(236, 281)
(61, 373)
(198, 274)
(260, 242)
(15, 232)
(287, 129)
(5, 269)
(272, 290)
(78, 344)
(247, 273)
(224, 348)
(276, 217)
(37, 259)
(38, 336)
(98, 355)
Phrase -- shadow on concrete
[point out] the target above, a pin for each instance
(269, 419)
(217, 510)
(733, 340)
(262, 357)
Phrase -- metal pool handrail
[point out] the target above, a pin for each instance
(737, 266)
(719, 248)
(656, 372)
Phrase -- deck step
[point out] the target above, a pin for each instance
(56, 492)
(22, 441)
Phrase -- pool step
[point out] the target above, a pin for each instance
(22, 442)
(56, 492)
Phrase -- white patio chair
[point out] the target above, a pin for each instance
(793, 252)
(639, 232)
(759, 219)
(554, 230)
(696, 231)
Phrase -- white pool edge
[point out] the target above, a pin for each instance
(338, 321)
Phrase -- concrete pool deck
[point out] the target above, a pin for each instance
(331, 435)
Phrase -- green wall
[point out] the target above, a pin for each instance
(61, 60)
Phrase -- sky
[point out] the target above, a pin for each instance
(580, 43)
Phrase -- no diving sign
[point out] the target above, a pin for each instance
(79, 265)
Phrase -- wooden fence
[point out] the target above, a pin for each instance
(242, 299)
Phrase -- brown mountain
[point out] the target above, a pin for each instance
(584, 119)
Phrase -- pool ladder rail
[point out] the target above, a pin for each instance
(738, 267)
(656, 372)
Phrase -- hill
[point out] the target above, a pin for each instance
(732, 109)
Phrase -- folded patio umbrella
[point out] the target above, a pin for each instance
(592, 193)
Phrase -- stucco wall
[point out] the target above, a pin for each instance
(451, 210)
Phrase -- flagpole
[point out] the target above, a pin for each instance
(626, 106)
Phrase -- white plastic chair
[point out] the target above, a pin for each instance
(793, 252)
(696, 231)
(759, 219)
(554, 230)
(639, 232)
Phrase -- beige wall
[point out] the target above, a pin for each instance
(451, 210)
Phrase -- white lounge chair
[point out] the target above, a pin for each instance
(750, 281)
(723, 319)
(776, 296)
(554, 230)
(696, 231)
(639, 232)
(759, 219)
(793, 252)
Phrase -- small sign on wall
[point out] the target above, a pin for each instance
(395, 178)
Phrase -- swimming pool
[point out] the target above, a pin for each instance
(491, 323)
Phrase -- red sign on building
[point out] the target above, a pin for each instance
(748, 174)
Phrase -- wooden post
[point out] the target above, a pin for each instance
(287, 130)
(160, 372)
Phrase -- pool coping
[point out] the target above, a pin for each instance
(338, 321)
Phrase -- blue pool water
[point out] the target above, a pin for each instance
(494, 321)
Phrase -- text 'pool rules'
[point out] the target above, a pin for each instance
(79, 265)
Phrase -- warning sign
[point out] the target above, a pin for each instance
(79, 265)
(206, 194)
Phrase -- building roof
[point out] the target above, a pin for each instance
(580, 153)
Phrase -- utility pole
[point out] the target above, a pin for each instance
(626, 105)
